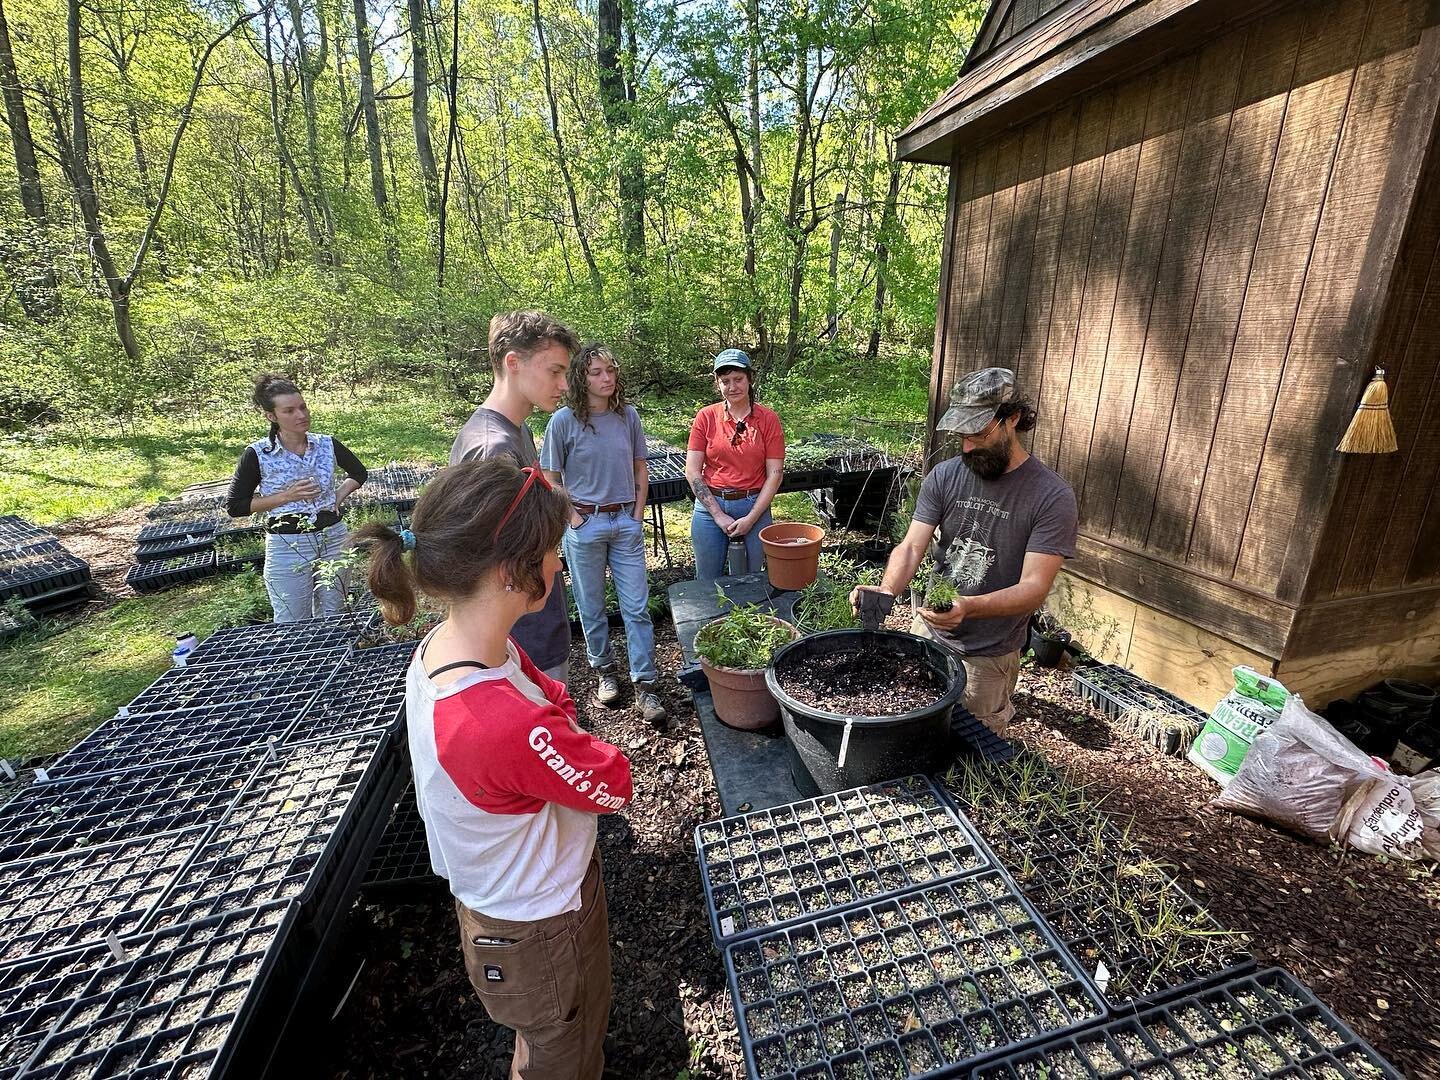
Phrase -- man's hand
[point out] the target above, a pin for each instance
(948, 619)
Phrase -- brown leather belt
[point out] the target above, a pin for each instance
(736, 493)
(609, 508)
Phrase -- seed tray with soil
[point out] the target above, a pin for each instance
(402, 858)
(169, 548)
(937, 977)
(179, 1002)
(267, 641)
(57, 902)
(366, 690)
(68, 814)
(250, 680)
(1263, 1025)
(1106, 900)
(667, 477)
(395, 485)
(863, 683)
(40, 569)
(34, 995)
(167, 573)
(170, 509)
(775, 867)
(1118, 693)
(126, 743)
(289, 832)
(16, 533)
(180, 526)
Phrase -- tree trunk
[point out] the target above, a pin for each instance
(142, 166)
(288, 168)
(798, 233)
(832, 304)
(115, 285)
(747, 225)
(752, 95)
(617, 100)
(595, 280)
(420, 104)
(888, 218)
(39, 291)
(308, 67)
(342, 89)
(364, 44)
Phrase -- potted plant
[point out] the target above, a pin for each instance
(1047, 639)
(792, 553)
(734, 651)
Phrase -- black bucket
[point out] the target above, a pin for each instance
(880, 747)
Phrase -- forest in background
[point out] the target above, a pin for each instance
(345, 190)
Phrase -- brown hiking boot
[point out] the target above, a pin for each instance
(607, 691)
(648, 705)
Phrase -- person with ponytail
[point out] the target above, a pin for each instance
(292, 477)
(508, 784)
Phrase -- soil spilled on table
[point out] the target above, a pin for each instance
(855, 682)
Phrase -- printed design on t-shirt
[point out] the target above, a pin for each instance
(579, 779)
(971, 555)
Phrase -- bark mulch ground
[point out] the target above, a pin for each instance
(1363, 933)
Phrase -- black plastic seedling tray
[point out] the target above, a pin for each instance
(155, 550)
(68, 814)
(17, 533)
(1115, 690)
(202, 523)
(57, 902)
(257, 680)
(366, 690)
(286, 836)
(1265, 1025)
(40, 569)
(226, 564)
(972, 736)
(186, 508)
(152, 738)
(167, 573)
(922, 984)
(179, 1003)
(34, 995)
(402, 858)
(666, 472)
(777, 867)
(270, 641)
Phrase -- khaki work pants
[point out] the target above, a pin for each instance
(551, 985)
(989, 681)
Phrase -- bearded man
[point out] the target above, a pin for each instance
(1006, 525)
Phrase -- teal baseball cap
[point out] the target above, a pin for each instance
(731, 358)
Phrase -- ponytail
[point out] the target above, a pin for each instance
(269, 386)
(390, 577)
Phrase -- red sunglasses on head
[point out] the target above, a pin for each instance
(533, 475)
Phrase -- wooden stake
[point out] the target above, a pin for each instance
(1371, 431)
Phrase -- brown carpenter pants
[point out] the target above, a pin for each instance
(550, 985)
(989, 682)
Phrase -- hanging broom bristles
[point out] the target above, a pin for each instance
(1371, 430)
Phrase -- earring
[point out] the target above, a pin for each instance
(509, 586)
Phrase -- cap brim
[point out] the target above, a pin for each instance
(966, 419)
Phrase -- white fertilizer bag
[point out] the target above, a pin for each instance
(1303, 773)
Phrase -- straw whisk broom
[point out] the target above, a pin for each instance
(1371, 430)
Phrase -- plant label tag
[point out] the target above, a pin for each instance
(727, 926)
(41, 776)
(112, 940)
(493, 973)
(1102, 976)
(7, 769)
(122, 712)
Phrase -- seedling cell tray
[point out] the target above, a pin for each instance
(971, 734)
(366, 690)
(403, 855)
(1265, 1025)
(34, 995)
(179, 1003)
(155, 550)
(75, 898)
(267, 641)
(666, 472)
(287, 835)
(42, 568)
(177, 528)
(1114, 690)
(167, 573)
(68, 814)
(152, 738)
(780, 866)
(256, 680)
(17, 533)
(186, 507)
(922, 984)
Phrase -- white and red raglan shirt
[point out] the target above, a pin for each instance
(508, 790)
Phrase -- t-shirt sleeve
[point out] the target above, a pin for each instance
(930, 503)
(637, 432)
(774, 439)
(552, 454)
(699, 431)
(347, 460)
(1056, 523)
(243, 484)
(553, 689)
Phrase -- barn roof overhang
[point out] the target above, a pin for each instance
(1078, 46)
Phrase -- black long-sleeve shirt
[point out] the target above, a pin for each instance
(246, 482)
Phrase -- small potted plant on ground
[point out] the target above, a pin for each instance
(1047, 639)
(734, 651)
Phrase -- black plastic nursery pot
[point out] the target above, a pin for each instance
(874, 748)
(1049, 651)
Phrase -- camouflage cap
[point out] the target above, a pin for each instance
(975, 398)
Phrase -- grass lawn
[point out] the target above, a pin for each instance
(60, 680)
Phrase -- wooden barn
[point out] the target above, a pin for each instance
(1193, 228)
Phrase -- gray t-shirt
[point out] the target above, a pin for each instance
(986, 528)
(597, 462)
(543, 634)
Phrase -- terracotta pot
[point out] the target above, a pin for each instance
(741, 697)
(792, 553)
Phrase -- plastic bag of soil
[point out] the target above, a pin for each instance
(1304, 774)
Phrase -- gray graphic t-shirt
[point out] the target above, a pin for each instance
(543, 634)
(986, 527)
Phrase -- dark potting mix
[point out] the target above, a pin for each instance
(856, 682)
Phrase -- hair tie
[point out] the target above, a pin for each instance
(407, 540)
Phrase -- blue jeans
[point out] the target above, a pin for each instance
(296, 590)
(615, 540)
(711, 544)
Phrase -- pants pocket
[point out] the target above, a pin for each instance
(515, 982)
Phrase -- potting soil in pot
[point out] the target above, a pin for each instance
(861, 683)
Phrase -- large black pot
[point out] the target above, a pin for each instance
(880, 747)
